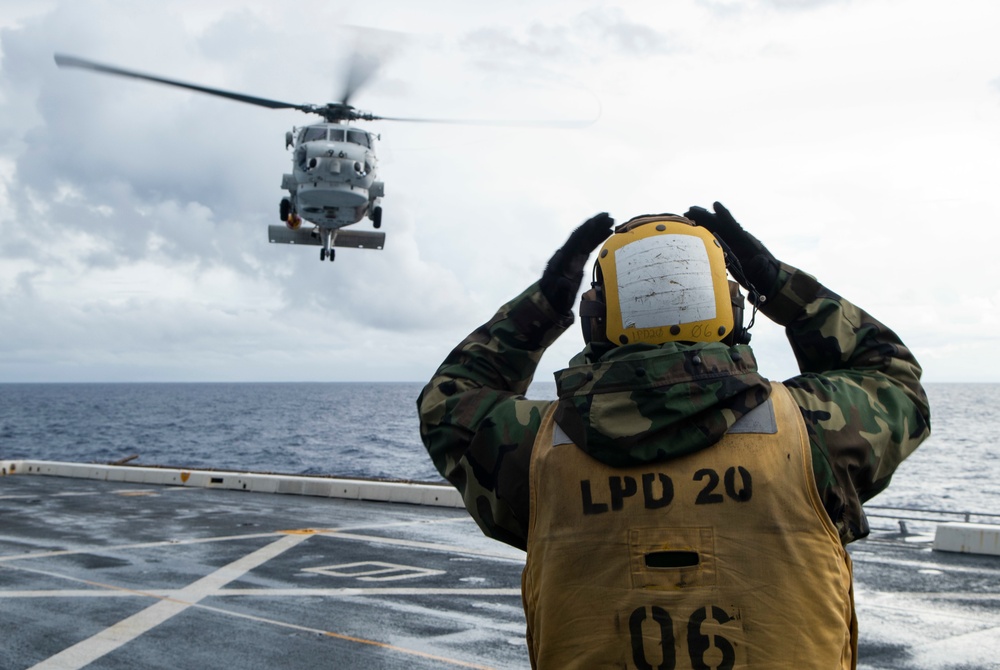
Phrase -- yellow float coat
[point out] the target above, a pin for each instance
(724, 558)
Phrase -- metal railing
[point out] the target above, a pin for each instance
(919, 516)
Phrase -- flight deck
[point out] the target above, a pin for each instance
(118, 574)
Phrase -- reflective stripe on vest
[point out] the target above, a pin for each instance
(720, 559)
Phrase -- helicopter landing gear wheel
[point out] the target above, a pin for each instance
(322, 254)
(331, 255)
(285, 208)
(377, 217)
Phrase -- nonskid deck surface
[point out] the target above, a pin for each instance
(138, 576)
(114, 575)
(920, 609)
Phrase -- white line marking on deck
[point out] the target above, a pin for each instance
(225, 538)
(52, 495)
(84, 593)
(348, 592)
(383, 591)
(416, 544)
(104, 549)
(89, 650)
(374, 571)
(347, 638)
(172, 602)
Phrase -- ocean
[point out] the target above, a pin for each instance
(371, 430)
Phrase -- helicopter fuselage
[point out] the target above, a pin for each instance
(333, 180)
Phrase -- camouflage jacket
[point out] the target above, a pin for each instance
(859, 392)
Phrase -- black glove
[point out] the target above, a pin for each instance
(756, 268)
(564, 273)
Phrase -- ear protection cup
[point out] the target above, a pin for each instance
(739, 334)
(593, 309)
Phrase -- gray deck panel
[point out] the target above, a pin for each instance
(77, 557)
(72, 566)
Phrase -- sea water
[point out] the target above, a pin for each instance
(371, 430)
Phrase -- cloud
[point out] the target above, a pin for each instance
(133, 217)
(742, 6)
(804, 4)
(589, 36)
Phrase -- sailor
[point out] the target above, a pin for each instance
(678, 509)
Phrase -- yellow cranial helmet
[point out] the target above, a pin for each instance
(662, 278)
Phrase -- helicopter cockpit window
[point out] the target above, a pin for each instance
(336, 134)
(313, 134)
(359, 137)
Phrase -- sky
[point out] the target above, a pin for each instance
(857, 140)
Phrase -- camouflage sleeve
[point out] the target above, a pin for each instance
(859, 392)
(475, 421)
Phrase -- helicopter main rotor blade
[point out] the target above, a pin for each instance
(360, 70)
(63, 60)
(525, 123)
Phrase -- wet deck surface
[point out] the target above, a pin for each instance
(106, 575)
(920, 609)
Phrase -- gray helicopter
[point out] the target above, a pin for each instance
(333, 183)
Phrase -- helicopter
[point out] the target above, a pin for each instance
(334, 180)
